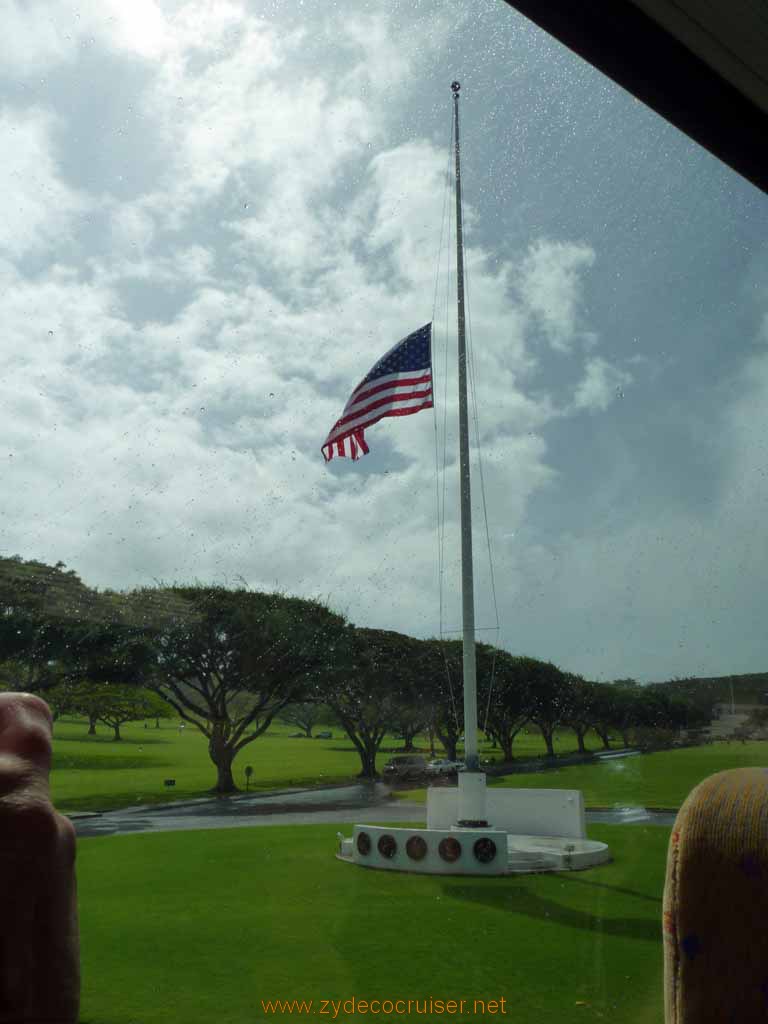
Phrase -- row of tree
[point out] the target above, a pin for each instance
(230, 661)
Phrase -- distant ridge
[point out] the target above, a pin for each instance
(705, 691)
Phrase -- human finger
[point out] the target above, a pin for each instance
(25, 729)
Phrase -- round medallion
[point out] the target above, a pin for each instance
(387, 846)
(363, 843)
(485, 850)
(416, 848)
(449, 849)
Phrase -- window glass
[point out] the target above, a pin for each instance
(216, 218)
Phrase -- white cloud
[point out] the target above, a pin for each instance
(549, 286)
(37, 209)
(601, 384)
(132, 228)
(190, 448)
(169, 426)
(36, 37)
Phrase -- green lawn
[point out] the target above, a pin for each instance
(94, 773)
(97, 773)
(663, 779)
(199, 926)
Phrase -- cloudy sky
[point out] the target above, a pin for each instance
(214, 218)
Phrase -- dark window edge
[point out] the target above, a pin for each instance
(638, 54)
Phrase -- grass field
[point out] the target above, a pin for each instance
(205, 925)
(663, 779)
(202, 926)
(97, 773)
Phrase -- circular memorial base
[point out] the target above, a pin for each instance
(465, 850)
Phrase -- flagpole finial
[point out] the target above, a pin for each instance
(455, 86)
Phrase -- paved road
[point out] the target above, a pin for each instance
(330, 805)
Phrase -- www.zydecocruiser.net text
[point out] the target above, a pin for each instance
(340, 1009)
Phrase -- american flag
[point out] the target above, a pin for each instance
(400, 384)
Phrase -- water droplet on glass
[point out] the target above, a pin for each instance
(202, 408)
(619, 392)
(245, 206)
(271, 394)
(50, 333)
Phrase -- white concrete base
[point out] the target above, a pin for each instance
(529, 830)
(530, 812)
(512, 854)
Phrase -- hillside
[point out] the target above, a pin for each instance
(704, 692)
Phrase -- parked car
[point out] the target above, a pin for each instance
(405, 766)
(324, 736)
(442, 766)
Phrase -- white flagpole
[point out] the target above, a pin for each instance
(471, 792)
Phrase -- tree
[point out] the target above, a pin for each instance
(230, 661)
(54, 628)
(112, 704)
(373, 681)
(582, 708)
(603, 712)
(551, 705)
(625, 709)
(408, 722)
(442, 675)
(39, 605)
(127, 704)
(659, 717)
(505, 694)
(82, 698)
(305, 715)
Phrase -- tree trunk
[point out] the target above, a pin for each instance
(222, 756)
(625, 736)
(603, 734)
(506, 746)
(408, 738)
(449, 744)
(117, 735)
(91, 725)
(368, 763)
(580, 739)
(225, 782)
(157, 723)
(547, 734)
(307, 731)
